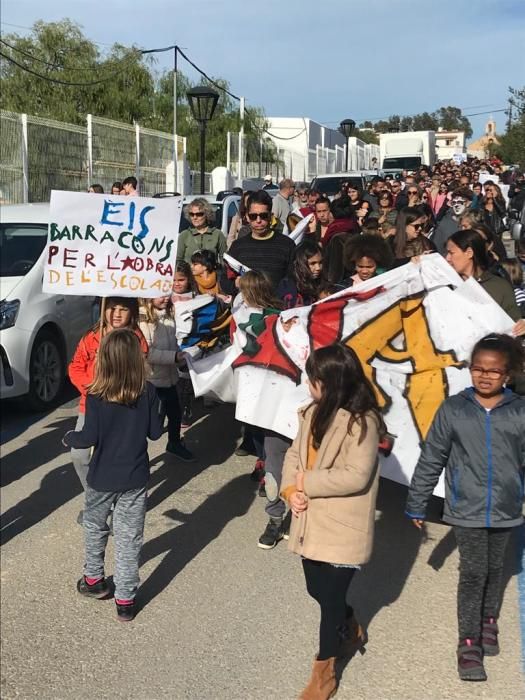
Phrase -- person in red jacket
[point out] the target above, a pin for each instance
(120, 312)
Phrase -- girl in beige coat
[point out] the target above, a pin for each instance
(330, 479)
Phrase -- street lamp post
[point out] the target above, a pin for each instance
(202, 101)
(347, 127)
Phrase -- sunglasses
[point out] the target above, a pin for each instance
(412, 192)
(457, 201)
(264, 216)
(418, 227)
(196, 213)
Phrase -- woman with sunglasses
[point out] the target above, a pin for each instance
(410, 240)
(201, 234)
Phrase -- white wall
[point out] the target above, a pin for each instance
(303, 134)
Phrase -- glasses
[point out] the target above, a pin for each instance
(457, 201)
(490, 373)
(418, 227)
(196, 213)
(412, 192)
(264, 216)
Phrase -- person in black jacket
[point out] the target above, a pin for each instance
(122, 411)
(478, 438)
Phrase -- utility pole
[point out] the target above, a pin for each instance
(175, 145)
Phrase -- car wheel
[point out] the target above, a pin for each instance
(46, 372)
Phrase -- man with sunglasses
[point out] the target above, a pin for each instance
(265, 249)
(459, 205)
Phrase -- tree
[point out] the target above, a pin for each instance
(59, 52)
(448, 118)
(129, 90)
(512, 148)
(451, 119)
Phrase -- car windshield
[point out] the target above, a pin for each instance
(217, 208)
(332, 185)
(20, 247)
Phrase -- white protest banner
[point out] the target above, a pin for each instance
(111, 245)
(413, 329)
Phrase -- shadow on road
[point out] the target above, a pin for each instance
(17, 417)
(184, 542)
(37, 452)
(396, 544)
(213, 442)
(56, 488)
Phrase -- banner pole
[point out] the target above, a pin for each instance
(102, 314)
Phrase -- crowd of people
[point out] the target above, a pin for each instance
(320, 489)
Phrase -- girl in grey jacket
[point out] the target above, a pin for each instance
(478, 438)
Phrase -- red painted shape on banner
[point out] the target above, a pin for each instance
(270, 354)
(325, 321)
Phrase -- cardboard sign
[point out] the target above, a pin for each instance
(111, 245)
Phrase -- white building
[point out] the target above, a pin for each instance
(307, 147)
(449, 144)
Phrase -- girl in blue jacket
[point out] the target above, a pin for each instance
(478, 437)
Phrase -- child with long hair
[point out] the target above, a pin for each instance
(301, 287)
(257, 292)
(184, 288)
(120, 312)
(478, 438)
(158, 326)
(330, 479)
(204, 269)
(122, 411)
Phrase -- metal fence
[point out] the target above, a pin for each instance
(38, 155)
(248, 157)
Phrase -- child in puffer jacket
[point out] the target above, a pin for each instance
(478, 438)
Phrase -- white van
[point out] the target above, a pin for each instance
(38, 332)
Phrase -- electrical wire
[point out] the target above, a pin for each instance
(57, 80)
(54, 65)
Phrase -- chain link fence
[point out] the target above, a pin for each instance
(38, 155)
(11, 158)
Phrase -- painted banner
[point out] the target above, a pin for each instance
(413, 329)
(111, 245)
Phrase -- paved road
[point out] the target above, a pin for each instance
(221, 619)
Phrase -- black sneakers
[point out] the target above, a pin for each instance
(125, 613)
(272, 534)
(287, 522)
(180, 450)
(100, 589)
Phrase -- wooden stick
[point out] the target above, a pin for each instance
(102, 314)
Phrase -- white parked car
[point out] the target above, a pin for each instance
(38, 332)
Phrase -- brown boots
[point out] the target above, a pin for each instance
(322, 684)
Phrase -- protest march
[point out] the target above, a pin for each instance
(350, 354)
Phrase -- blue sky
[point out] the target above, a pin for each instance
(327, 61)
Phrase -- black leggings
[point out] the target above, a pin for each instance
(169, 400)
(328, 584)
(481, 559)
